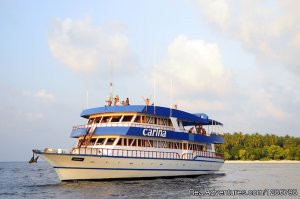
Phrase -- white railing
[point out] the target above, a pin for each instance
(141, 125)
(144, 153)
(125, 153)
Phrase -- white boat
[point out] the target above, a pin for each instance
(138, 141)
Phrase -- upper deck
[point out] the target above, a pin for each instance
(149, 110)
(153, 121)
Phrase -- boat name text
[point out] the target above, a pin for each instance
(155, 133)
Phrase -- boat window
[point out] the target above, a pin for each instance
(127, 118)
(129, 142)
(173, 145)
(133, 143)
(126, 142)
(97, 119)
(184, 146)
(176, 145)
(93, 140)
(105, 119)
(90, 120)
(120, 142)
(155, 144)
(154, 120)
(115, 118)
(149, 143)
(138, 119)
(150, 120)
(163, 122)
(161, 144)
(143, 119)
(169, 123)
(141, 143)
(110, 141)
(100, 141)
(158, 121)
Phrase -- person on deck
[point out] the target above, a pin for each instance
(127, 102)
(109, 102)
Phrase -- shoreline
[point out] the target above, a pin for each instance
(262, 161)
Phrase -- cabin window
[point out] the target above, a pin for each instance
(129, 141)
(184, 146)
(90, 120)
(126, 142)
(137, 119)
(161, 144)
(133, 143)
(149, 143)
(97, 119)
(143, 119)
(115, 119)
(110, 141)
(158, 121)
(150, 120)
(127, 118)
(93, 140)
(155, 145)
(120, 142)
(100, 141)
(200, 148)
(171, 145)
(139, 143)
(105, 119)
(143, 143)
(163, 121)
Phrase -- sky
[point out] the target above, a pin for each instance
(237, 61)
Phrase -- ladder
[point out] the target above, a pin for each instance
(90, 130)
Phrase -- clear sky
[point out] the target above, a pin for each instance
(237, 61)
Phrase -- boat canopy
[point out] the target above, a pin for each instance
(199, 118)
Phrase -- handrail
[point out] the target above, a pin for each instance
(144, 153)
(144, 125)
(208, 154)
(187, 156)
(125, 153)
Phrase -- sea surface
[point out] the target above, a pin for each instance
(23, 180)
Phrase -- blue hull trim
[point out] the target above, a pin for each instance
(132, 169)
(136, 131)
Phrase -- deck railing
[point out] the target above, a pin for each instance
(144, 154)
(142, 125)
(208, 154)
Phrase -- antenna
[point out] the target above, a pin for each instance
(87, 99)
(171, 96)
(154, 82)
(111, 94)
(154, 94)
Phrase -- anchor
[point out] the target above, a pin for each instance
(33, 159)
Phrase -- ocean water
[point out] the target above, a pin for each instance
(23, 180)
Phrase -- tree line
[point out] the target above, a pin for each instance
(239, 146)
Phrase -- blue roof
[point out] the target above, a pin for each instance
(151, 110)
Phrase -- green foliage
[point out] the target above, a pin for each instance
(239, 146)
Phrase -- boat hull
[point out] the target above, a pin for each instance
(92, 167)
